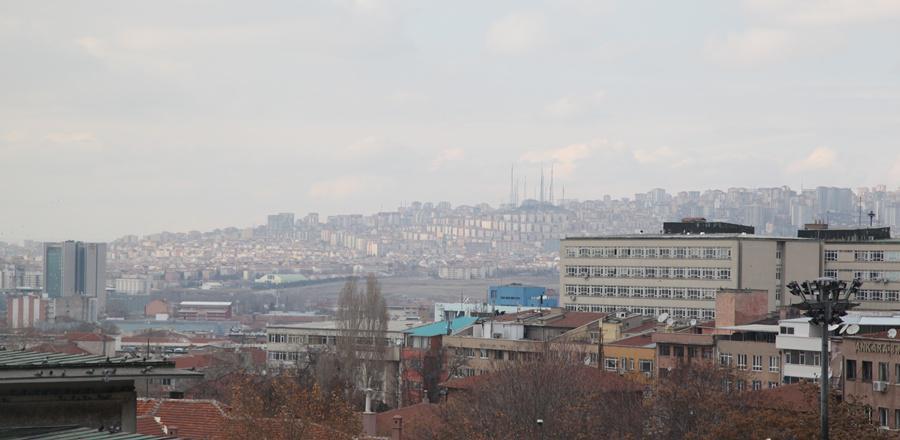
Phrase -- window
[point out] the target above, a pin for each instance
(866, 371)
(611, 364)
(725, 359)
(897, 374)
(483, 353)
(678, 350)
(897, 419)
(757, 364)
(742, 361)
(664, 350)
(831, 273)
(850, 369)
(774, 362)
(646, 366)
(786, 330)
(757, 385)
(883, 417)
(773, 385)
(831, 255)
(883, 372)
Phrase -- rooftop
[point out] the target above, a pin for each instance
(440, 327)
(683, 237)
(393, 325)
(71, 433)
(193, 418)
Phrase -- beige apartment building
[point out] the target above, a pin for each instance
(679, 274)
(876, 263)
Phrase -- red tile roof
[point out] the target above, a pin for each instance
(418, 418)
(575, 319)
(193, 419)
(67, 348)
(634, 341)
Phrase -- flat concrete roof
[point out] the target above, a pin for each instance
(686, 237)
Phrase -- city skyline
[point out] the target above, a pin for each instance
(845, 208)
(212, 116)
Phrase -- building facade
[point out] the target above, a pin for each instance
(74, 268)
(678, 274)
(25, 311)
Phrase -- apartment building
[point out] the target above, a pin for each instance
(525, 336)
(869, 373)
(679, 274)
(868, 254)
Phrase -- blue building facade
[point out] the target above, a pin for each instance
(520, 295)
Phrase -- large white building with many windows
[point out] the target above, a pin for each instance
(679, 274)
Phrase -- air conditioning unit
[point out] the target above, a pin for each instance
(879, 386)
(498, 335)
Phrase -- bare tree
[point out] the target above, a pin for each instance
(362, 320)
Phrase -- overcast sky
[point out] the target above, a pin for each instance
(137, 117)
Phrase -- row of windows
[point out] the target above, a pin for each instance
(301, 339)
(675, 312)
(697, 273)
(797, 357)
(694, 253)
(878, 295)
(645, 366)
(640, 292)
(858, 255)
(727, 360)
(865, 373)
(878, 275)
(500, 355)
(284, 356)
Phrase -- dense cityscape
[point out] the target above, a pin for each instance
(405, 220)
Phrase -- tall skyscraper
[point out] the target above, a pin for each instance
(74, 268)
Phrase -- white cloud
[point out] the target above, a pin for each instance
(819, 159)
(565, 158)
(823, 13)
(71, 137)
(448, 155)
(367, 147)
(342, 187)
(517, 34)
(93, 46)
(652, 156)
(750, 48)
(571, 106)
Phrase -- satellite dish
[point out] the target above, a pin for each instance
(587, 360)
(662, 317)
(852, 329)
(670, 321)
(833, 327)
(892, 333)
(843, 329)
(693, 322)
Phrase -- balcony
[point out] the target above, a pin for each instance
(801, 343)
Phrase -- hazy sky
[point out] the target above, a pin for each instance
(136, 117)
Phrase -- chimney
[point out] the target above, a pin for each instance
(397, 430)
(369, 420)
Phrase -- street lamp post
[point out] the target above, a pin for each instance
(825, 301)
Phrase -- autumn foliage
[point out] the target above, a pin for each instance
(284, 407)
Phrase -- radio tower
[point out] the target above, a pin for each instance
(541, 198)
(551, 184)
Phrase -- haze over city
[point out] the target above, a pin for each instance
(200, 115)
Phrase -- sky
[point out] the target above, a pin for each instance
(137, 117)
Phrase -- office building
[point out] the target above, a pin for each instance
(75, 268)
(679, 274)
(868, 254)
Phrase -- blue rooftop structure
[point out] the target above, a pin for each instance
(440, 327)
(521, 295)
